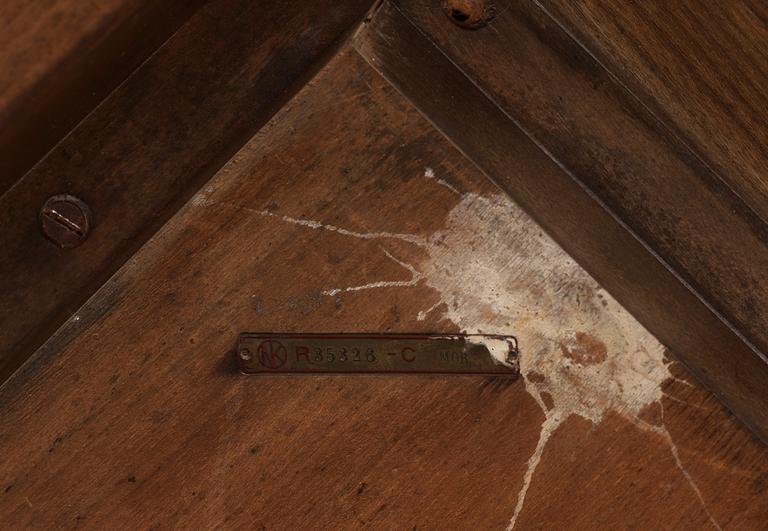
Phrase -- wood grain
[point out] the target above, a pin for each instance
(701, 67)
(149, 146)
(60, 58)
(132, 416)
(630, 202)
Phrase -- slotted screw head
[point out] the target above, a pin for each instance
(65, 220)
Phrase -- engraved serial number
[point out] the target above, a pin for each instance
(329, 354)
(314, 355)
(309, 354)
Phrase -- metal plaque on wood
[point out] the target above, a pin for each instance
(292, 353)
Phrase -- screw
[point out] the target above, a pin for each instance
(470, 14)
(65, 220)
(245, 354)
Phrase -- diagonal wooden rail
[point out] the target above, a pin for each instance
(149, 146)
(601, 174)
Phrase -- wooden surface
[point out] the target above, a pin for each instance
(700, 66)
(60, 58)
(349, 211)
(149, 147)
(624, 196)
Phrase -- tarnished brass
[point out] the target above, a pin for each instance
(275, 353)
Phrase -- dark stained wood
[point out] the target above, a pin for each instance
(60, 58)
(702, 67)
(132, 415)
(149, 146)
(635, 207)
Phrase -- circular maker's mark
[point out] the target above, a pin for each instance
(272, 354)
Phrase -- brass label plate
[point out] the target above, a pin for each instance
(280, 353)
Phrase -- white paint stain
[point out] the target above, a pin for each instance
(422, 315)
(416, 276)
(429, 173)
(202, 200)
(497, 273)
(581, 352)
(498, 347)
